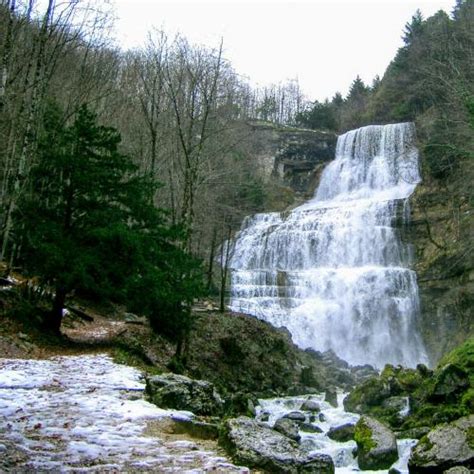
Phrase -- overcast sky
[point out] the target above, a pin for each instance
(325, 44)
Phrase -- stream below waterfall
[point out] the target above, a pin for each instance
(335, 271)
(329, 417)
(88, 414)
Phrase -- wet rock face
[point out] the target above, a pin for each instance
(295, 156)
(258, 446)
(183, 393)
(342, 433)
(445, 447)
(376, 444)
(443, 262)
(311, 405)
(295, 416)
(288, 428)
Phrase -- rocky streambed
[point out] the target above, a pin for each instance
(308, 434)
(88, 414)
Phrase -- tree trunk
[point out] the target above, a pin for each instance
(53, 323)
(212, 255)
(225, 259)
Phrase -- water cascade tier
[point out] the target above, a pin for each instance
(334, 271)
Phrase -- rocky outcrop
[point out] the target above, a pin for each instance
(258, 446)
(376, 444)
(418, 398)
(258, 360)
(292, 155)
(447, 446)
(440, 232)
(183, 393)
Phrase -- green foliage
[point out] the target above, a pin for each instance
(414, 28)
(88, 224)
(251, 193)
(425, 443)
(467, 400)
(435, 397)
(318, 116)
(268, 108)
(363, 436)
(470, 437)
(462, 356)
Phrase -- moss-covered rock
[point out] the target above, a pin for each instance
(242, 354)
(376, 444)
(433, 397)
(446, 446)
(183, 393)
(342, 433)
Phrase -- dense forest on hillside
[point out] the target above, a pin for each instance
(122, 172)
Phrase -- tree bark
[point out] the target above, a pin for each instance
(225, 259)
(53, 323)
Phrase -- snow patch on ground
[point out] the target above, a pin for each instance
(87, 414)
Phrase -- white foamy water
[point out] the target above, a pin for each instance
(342, 454)
(88, 414)
(334, 271)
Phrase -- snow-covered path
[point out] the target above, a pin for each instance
(87, 414)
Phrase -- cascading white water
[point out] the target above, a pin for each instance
(334, 271)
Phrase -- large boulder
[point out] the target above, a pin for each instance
(183, 393)
(295, 416)
(376, 444)
(311, 405)
(255, 445)
(446, 446)
(342, 433)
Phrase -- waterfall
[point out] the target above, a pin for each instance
(334, 271)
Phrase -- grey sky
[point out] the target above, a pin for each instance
(323, 43)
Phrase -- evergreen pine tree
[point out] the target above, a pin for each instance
(88, 224)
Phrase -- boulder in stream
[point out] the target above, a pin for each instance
(257, 446)
(446, 446)
(288, 428)
(183, 393)
(342, 433)
(295, 416)
(311, 405)
(376, 444)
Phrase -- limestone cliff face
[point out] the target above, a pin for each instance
(295, 157)
(441, 231)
